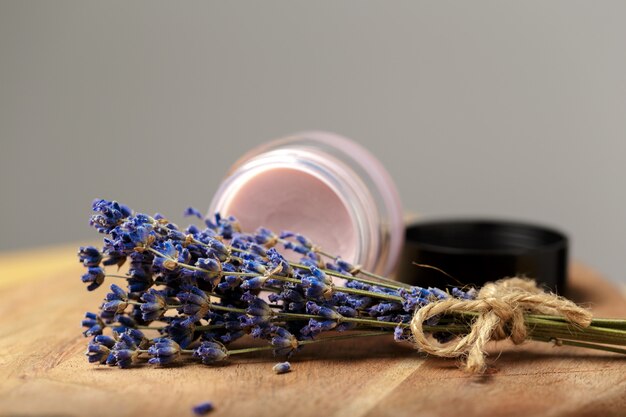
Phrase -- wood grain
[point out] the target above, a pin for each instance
(43, 370)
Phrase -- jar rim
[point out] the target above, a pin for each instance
(356, 176)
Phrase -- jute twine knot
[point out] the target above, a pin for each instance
(500, 307)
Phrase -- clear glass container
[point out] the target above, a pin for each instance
(323, 186)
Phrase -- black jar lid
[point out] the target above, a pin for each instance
(473, 252)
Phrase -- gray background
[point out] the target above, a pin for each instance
(513, 110)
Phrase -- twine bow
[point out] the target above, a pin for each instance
(500, 306)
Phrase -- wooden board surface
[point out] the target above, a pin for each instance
(43, 370)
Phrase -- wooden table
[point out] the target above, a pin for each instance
(43, 370)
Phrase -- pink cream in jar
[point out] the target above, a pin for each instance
(323, 186)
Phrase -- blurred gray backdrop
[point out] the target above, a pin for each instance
(507, 109)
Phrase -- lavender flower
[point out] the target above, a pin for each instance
(323, 311)
(99, 349)
(195, 303)
(202, 289)
(134, 337)
(124, 323)
(302, 244)
(126, 239)
(164, 351)
(116, 301)
(316, 288)
(400, 334)
(109, 214)
(122, 357)
(280, 265)
(316, 327)
(260, 309)
(124, 353)
(284, 343)
(94, 277)
(265, 237)
(166, 261)
(211, 352)
(93, 323)
(212, 268)
(282, 367)
(218, 250)
(255, 283)
(181, 330)
(140, 272)
(203, 408)
(89, 256)
(190, 211)
(227, 226)
(154, 305)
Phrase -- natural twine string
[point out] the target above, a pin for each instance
(500, 308)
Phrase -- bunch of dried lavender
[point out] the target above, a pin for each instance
(203, 288)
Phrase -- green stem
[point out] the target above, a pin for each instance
(384, 279)
(580, 336)
(381, 281)
(386, 282)
(600, 332)
(248, 350)
(345, 289)
(594, 346)
(597, 322)
(281, 278)
(343, 337)
(562, 326)
(139, 326)
(307, 342)
(195, 268)
(210, 327)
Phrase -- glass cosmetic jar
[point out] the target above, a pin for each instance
(321, 185)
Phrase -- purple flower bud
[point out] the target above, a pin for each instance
(203, 408)
(154, 305)
(105, 340)
(441, 295)
(316, 327)
(181, 331)
(400, 334)
(325, 312)
(190, 211)
(195, 302)
(97, 353)
(114, 306)
(89, 256)
(282, 367)
(210, 352)
(266, 237)
(253, 283)
(109, 214)
(259, 308)
(123, 358)
(466, 295)
(94, 276)
(164, 351)
(284, 343)
(117, 293)
(253, 266)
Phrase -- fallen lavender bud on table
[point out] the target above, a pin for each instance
(201, 288)
(282, 367)
(203, 408)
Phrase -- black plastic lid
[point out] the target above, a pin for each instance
(478, 251)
